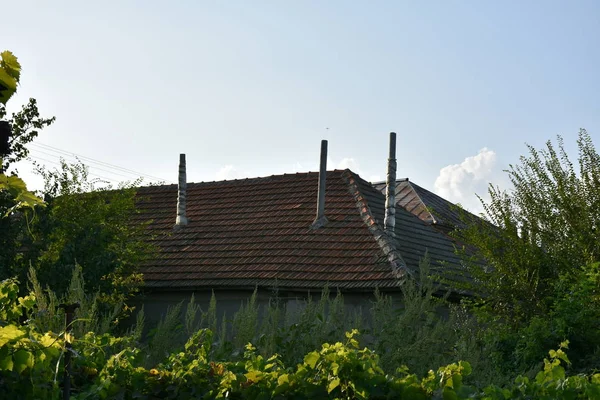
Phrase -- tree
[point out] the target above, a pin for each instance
(78, 225)
(90, 227)
(25, 127)
(14, 195)
(542, 277)
(549, 226)
(21, 129)
(86, 227)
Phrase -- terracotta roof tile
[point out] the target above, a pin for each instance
(257, 232)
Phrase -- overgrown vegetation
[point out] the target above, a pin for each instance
(86, 226)
(539, 292)
(76, 224)
(126, 367)
(542, 278)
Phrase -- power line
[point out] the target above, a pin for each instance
(94, 167)
(92, 160)
(89, 159)
(89, 173)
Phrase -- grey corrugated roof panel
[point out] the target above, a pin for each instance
(435, 209)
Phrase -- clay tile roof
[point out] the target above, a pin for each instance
(250, 232)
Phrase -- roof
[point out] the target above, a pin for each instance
(428, 206)
(257, 232)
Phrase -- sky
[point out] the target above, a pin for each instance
(249, 88)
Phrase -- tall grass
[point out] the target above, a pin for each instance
(420, 329)
(89, 316)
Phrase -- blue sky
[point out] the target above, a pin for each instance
(249, 88)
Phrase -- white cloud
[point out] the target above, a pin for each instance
(229, 172)
(297, 167)
(345, 163)
(349, 163)
(460, 182)
(354, 166)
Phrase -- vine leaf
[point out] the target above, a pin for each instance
(311, 359)
(10, 72)
(23, 359)
(10, 64)
(18, 190)
(10, 333)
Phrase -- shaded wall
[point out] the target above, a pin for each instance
(229, 301)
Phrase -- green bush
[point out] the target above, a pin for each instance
(27, 356)
(117, 367)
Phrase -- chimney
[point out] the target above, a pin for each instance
(389, 221)
(181, 193)
(321, 220)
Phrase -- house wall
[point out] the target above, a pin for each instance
(156, 304)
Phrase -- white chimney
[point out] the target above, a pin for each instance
(181, 193)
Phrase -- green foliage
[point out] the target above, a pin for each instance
(413, 332)
(245, 322)
(166, 336)
(32, 339)
(26, 125)
(534, 292)
(26, 355)
(338, 370)
(550, 383)
(85, 227)
(302, 326)
(80, 226)
(10, 73)
(17, 204)
(90, 316)
(420, 331)
(89, 233)
(17, 191)
(546, 227)
(110, 367)
(13, 307)
(573, 314)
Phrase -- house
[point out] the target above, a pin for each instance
(295, 233)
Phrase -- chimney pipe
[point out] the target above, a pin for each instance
(389, 221)
(181, 194)
(321, 220)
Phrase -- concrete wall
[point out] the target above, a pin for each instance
(229, 301)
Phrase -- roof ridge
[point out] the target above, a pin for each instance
(399, 267)
(253, 179)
